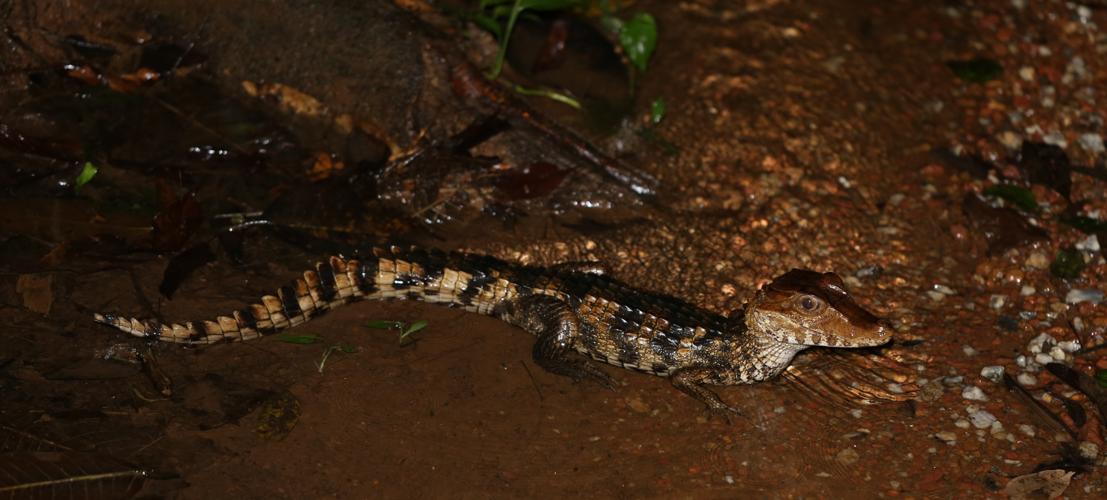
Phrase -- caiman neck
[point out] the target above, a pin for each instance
(761, 356)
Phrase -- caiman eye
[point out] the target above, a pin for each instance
(809, 303)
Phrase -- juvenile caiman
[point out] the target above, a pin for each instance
(570, 307)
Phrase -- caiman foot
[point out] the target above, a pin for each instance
(556, 326)
(690, 381)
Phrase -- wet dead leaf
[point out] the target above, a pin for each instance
(182, 265)
(17, 440)
(67, 475)
(1044, 484)
(1047, 165)
(36, 291)
(58, 219)
(1002, 228)
(177, 220)
(278, 416)
(532, 181)
(324, 166)
(1096, 393)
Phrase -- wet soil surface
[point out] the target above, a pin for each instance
(168, 161)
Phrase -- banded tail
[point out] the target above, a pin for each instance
(475, 283)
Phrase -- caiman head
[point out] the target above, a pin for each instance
(808, 308)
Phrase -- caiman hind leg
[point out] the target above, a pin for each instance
(557, 327)
(691, 382)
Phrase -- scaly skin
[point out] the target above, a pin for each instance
(569, 308)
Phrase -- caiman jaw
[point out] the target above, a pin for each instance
(808, 308)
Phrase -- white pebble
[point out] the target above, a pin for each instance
(1026, 73)
(1078, 295)
(962, 424)
(993, 373)
(1027, 379)
(1027, 290)
(1069, 345)
(1057, 353)
(981, 419)
(1043, 359)
(997, 301)
(1027, 429)
(1092, 143)
(935, 296)
(973, 393)
(968, 350)
(944, 290)
(1090, 244)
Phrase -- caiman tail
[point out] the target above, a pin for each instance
(474, 282)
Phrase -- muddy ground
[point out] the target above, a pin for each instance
(175, 159)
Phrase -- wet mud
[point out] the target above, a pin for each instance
(174, 161)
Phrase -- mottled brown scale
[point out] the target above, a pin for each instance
(570, 307)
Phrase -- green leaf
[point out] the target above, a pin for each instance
(346, 348)
(638, 39)
(657, 110)
(1020, 196)
(518, 8)
(978, 70)
(416, 326)
(548, 5)
(1101, 377)
(86, 175)
(549, 94)
(1068, 264)
(1086, 224)
(299, 339)
(488, 24)
(611, 24)
(381, 324)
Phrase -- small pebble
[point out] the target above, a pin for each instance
(1037, 260)
(946, 437)
(1043, 359)
(1090, 244)
(1057, 353)
(1027, 379)
(729, 479)
(894, 388)
(997, 301)
(847, 456)
(1078, 295)
(1038, 343)
(973, 393)
(981, 419)
(1088, 450)
(953, 380)
(856, 413)
(962, 424)
(1092, 143)
(1010, 140)
(1027, 73)
(779, 410)
(1069, 345)
(935, 296)
(1027, 290)
(1027, 429)
(969, 351)
(944, 290)
(993, 373)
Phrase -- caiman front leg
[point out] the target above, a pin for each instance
(557, 327)
(691, 382)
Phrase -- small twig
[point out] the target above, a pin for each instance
(533, 382)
